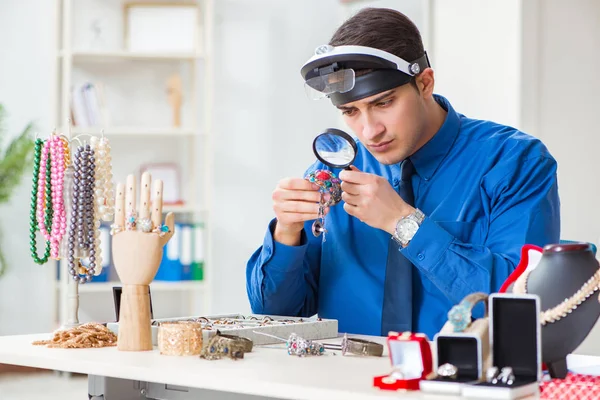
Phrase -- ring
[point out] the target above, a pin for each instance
(506, 376)
(492, 375)
(447, 371)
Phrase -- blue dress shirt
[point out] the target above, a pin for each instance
(486, 190)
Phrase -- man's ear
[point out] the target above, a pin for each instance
(425, 82)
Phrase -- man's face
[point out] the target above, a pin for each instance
(389, 124)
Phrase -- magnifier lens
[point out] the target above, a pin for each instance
(335, 149)
(323, 85)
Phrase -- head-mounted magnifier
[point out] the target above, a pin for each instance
(331, 72)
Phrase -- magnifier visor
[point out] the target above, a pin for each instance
(322, 86)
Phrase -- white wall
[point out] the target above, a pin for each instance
(26, 84)
(475, 55)
(567, 115)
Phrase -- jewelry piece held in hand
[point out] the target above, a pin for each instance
(447, 371)
(328, 184)
(492, 375)
(506, 376)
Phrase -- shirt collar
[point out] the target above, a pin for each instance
(429, 157)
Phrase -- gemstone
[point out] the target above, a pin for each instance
(322, 175)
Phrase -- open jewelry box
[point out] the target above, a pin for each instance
(515, 342)
(461, 350)
(410, 355)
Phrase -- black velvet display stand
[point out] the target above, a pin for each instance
(561, 272)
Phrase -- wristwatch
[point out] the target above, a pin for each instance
(460, 315)
(407, 227)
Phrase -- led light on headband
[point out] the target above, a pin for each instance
(331, 72)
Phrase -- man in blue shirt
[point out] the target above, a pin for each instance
(436, 206)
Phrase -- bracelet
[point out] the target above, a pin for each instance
(181, 338)
(359, 347)
(231, 346)
(460, 315)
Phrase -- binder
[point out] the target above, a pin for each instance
(170, 268)
(186, 254)
(198, 258)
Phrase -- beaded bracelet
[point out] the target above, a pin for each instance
(328, 184)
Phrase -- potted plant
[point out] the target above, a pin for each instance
(16, 157)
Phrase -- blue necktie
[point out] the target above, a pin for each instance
(397, 296)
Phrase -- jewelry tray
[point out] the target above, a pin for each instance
(515, 341)
(244, 325)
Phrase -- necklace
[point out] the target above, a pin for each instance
(82, 215)
(567, 306)
(37, 205)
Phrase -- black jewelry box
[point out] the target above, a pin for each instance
(515, 341)
(462, 350)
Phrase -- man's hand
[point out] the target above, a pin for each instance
(295, 200)
(372, 199)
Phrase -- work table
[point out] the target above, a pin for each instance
(267, 371)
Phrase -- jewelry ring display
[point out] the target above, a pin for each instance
(506, 376)
(460, 315)
(448, 371)
(328, 183)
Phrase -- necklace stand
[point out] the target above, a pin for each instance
(561, 272)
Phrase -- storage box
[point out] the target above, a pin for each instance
(515, 341)
(465, 352)
(410, 356)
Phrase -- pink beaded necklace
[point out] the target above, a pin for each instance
(54, 149)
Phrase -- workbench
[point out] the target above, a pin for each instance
(268, 372)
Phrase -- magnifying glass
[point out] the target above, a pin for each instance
(335, 148)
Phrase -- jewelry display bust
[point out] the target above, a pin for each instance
(566, 273)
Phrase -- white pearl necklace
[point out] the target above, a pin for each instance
(568, 305)
(104, 198)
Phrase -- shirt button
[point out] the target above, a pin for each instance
(421, 256)
(396, 182)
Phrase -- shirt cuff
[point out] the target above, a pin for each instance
(281, 256)
(428, 245)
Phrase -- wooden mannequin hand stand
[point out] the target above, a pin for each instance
(137, 249)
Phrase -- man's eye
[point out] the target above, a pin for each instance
(384, 103)
(349, 112)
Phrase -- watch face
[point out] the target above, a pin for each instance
(407, 229)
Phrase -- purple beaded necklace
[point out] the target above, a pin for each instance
(82, 213)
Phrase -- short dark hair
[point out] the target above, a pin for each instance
(384, 29)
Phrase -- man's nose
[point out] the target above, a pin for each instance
(372, 127)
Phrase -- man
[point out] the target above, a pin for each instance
(436, 206)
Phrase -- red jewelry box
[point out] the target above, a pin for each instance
(410, 356)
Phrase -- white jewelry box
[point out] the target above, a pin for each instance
(515, 341)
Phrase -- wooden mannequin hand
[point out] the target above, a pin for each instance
(139, 236)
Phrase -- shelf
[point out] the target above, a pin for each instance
(182, 209)
(132, 131)
(157, 286)
(96, 56)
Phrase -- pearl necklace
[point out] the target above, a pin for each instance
(103, 193)
(568, 305)
(82, 213)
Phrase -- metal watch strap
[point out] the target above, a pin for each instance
(416, 216)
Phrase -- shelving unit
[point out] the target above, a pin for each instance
(141, 128)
